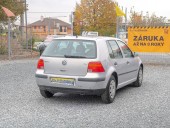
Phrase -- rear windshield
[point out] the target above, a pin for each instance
(71, 49)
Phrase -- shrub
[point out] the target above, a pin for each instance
(29, 43)
(3, 50)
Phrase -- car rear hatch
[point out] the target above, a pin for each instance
(69, 57)
(66, 66)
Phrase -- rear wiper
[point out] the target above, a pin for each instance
(69, 56)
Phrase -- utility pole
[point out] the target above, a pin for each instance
(81, 29)
(126, 21)
(117, 27)
(22, 19)
(31, 40)
(26, 32)
(49, 26)
(72, 20)
(22, 25)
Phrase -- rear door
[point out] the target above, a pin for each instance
(132, 63)
(68, 57)
(117, 61)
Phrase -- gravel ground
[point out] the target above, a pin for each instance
(155, 58)
(21, 104)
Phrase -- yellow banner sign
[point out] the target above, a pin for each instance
(149, 39)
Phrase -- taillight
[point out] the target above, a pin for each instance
(95, 67)
(40, 64)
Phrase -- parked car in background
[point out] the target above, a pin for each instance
(88, 65)
(41, 46)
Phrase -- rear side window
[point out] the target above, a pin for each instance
(71, 49)
(127, 52)
(114, 50)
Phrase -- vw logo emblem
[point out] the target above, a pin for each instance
(64, 62)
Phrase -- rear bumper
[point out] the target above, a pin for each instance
(84, 85)
(79, 79)
(72, 91)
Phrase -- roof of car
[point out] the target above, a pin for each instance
(88, 38)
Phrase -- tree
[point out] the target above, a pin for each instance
(16, 6)
(95, 15)
(138, 19)
(157, 21)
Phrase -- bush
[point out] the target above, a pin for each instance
(29, 43)
(37, 39)
(3, 50)
(34, 49)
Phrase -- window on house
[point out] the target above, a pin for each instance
(61, 29)
(35, 27)
(44, 29)
(65, 29)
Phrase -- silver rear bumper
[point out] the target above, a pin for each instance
(82, 83)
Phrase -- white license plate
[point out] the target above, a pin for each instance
(64, 81)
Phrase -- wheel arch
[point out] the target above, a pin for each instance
(116, 77)
(141, 65)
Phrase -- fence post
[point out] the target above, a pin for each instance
(31, 46)
(9, 39)
(117, 27)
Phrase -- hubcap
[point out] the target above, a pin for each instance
(140, 76)
(112, 89)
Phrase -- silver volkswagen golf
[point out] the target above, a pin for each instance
(88, 65)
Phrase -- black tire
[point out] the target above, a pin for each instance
(46, 94)
(139, 80)
(107, 97)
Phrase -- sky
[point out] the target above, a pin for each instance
(65, 7)
(159, 7)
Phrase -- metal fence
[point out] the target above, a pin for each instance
(20, 48)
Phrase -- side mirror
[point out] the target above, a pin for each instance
(136, 54)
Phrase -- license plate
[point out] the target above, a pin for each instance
(64, 81)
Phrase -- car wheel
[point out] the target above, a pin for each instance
(110, 92)
(139, 80)
(46, 94)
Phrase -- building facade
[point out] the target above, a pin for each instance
(49, 26)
